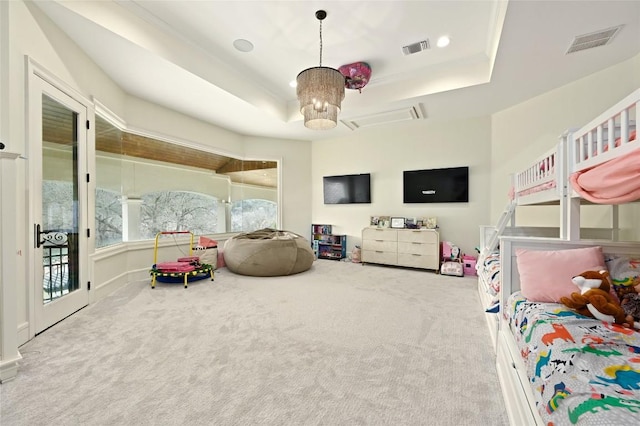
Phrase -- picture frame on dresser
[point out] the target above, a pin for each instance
(384, 222)
(430, 222)
(397, 222)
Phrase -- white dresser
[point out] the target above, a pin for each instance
(415, 248)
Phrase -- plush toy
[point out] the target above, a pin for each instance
(630, 300)
(595, 300)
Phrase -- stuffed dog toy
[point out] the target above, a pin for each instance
(595, 300)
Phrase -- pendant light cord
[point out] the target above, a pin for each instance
(321, 42)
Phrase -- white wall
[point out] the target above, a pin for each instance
(386, 151)
(294, 174)
(525, 131)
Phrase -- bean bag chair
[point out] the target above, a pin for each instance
(268, 253)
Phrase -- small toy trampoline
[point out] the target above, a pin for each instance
(205, 271)
(184, 270)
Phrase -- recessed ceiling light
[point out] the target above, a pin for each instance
(443, 41)
(243, 45)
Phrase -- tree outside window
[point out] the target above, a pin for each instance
(177, 211)
(251, 215)
(108, 217)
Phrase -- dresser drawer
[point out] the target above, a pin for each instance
(416, 248)
(421, 236)
(424, 261)
(380, 234)
(370, 256)
(379, 245)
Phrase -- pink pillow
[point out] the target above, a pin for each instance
(545, 276)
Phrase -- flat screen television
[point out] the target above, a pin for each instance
(450, 185)
(347, 189)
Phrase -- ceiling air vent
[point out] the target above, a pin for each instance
(598, 38)
(416, 47)
(413, 112)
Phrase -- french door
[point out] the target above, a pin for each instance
(58, 169)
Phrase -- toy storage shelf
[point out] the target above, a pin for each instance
(327, 245)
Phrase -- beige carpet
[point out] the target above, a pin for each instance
(340, 344)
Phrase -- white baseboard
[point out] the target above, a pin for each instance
(117, 282)
(9, 368)
(23, 333)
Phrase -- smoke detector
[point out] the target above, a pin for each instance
(595, 39)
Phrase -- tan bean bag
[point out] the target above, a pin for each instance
(268, 253)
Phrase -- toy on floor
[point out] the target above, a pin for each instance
(185, 269)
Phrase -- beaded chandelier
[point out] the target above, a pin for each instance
(320, 92)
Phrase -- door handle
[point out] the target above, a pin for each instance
(55, 238)
(36, 236)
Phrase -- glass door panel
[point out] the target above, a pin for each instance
(59, 197)
(59, 233)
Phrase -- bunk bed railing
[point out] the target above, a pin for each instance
(541, 172)
(609, 135)
(543, 180)
(492, 241)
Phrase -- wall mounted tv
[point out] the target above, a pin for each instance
(347, 189)
(450, 185)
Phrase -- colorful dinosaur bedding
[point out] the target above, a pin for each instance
(490, 271)
(581, 370)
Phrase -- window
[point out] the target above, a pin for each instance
(251, 215)
(146, 185)
(178, 211)
(108, 217)
(57, 205)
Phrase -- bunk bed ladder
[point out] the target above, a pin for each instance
(492, 242)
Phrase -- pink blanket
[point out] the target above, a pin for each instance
(174, 267)
(615, 182)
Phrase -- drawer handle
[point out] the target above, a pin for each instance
(379, 241)
(414, 254)
(379, 251)
(416, 243)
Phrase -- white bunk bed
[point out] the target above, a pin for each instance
(530, 369)
(610, 136)
(546, 181)
(489, 269)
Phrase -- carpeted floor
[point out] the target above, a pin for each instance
(340, 344)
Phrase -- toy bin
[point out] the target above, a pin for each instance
(469, 265)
